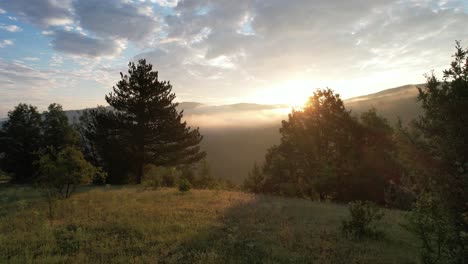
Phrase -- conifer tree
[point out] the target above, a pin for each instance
(56, 131)
(149, 121)
(19, 142)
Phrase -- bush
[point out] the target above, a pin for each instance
(430, 222)
(153, 181)
(184, 185)
(156, 177)
(60, 172)
(364, 219)
(99, 177)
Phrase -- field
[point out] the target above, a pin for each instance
(132, 225)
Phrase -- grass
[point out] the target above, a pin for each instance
(132, 225)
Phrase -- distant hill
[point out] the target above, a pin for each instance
(391, 103)
(238, 135)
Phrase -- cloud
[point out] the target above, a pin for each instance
(47, 32)
(81, 45)
(31, 59)
(11, 28)
(2, 11)
(130, 20)
(41, 12)
(32, 83)
(334, 42)
(6, 42)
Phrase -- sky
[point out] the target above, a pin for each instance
(222, 51)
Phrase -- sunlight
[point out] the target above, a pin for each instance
(293, 93)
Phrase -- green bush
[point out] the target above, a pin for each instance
(62, 171)
(364, 218)
(153, 181)
(184, 185)
(99, 177)
(156, 177)
(430, 222)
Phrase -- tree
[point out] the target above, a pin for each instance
(378, 165)
(20, 140)
(61, 171)
(326, 153)
(56, 131)
(254, 182)
(103, 144)
(315, 150)
(149, 122)
(444, 126)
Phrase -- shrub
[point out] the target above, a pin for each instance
(161, 176)
(364, 218)
(184, 185)
(60, 172)
(152, 180)
(430, 222)
(99, 177)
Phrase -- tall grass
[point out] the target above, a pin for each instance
(132, 225)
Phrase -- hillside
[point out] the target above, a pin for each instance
(133, 225)
(391, 103)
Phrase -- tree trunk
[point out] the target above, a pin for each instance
(141, 161)
(140, 173)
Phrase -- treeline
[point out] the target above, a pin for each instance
(325, 153)
(139, 139)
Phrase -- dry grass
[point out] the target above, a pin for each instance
(132, 225)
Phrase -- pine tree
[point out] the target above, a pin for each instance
(149, 121)
(19, 142)
(56, 131)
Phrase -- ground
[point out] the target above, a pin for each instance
(133, 225)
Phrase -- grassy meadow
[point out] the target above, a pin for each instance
(129, 224)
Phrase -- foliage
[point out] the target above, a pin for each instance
(20, 139)
(254, 182)
(431, 224)
(153, 178)
(148, 123)
(325, 153)
(444, 127)
(61, 171)
(184, 185)
(103, 146)
(161, 176)
(363, 222)
(57, 133)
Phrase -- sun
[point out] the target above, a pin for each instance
(293, 93)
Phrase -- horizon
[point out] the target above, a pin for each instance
(219, 53)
